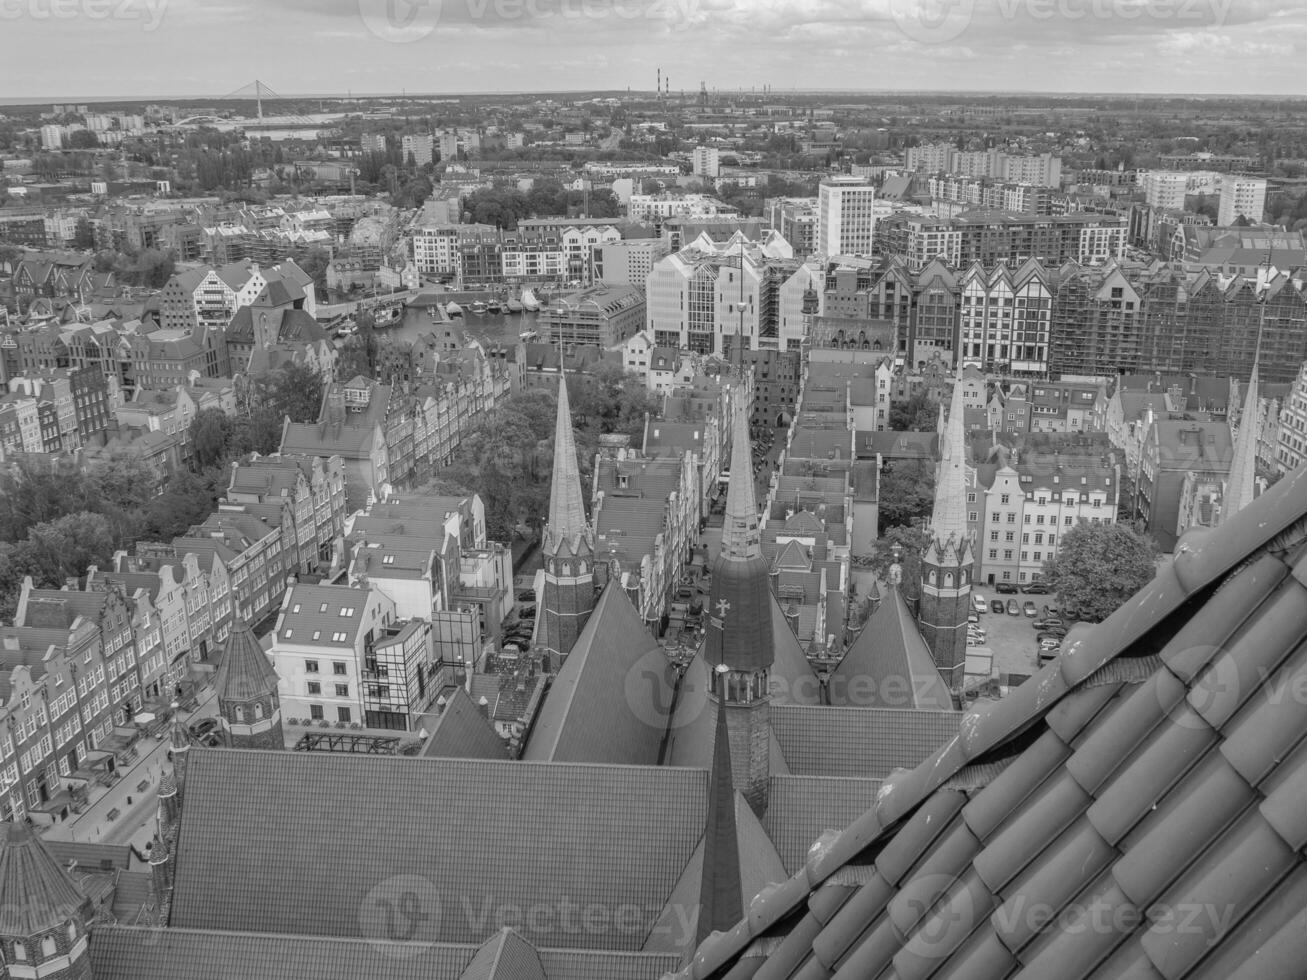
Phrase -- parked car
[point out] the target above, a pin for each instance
(1050, 643)
(975, 641)
(1005, 588)
(527, 595)
(1047, 656)
(972, 617)
(1012, 608)
(203, 727)
(527, 611)
(979, 637)
(1029, 609)
(979, 602)
(1048, 635)
(1043, 624)
(997, 606)
(1035, 588)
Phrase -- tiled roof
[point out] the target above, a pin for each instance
(318, 613)
(311, 838)
(604, 705)
(802, 808)
(246, 670)
(889, 664)
(505, 956)
(38, 894)
(1134, 810)
(463, 732)
(867, 743)
(122, 953)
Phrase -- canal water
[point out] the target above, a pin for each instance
(495, 328)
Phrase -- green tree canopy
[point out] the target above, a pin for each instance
(1099, 566)
(907, 493)
(918, 414)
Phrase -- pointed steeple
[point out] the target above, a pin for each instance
(1240, 486)
(249, 703)
(566, 510)
(39, 893)
(741, 536)
(949, 517)
(721, 901)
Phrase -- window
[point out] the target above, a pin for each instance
(1006, 498)
(347, 610)
(315, 712)
(342, 714)
(240, 712)
(1025, 556)
(311, 666)
(322, 608)
(338, 668)
(288, 633)
(973, 517)
(317, 634)
(1007, 555)
(1011, 518)
(339, 638)
(258, 710)
(993, 552)
(295, 608)
(342, 690)
(1067, 521)
(996, 517)
(315, 687)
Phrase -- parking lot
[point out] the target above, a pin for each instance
(1011, 639)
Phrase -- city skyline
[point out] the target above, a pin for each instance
(493, 46)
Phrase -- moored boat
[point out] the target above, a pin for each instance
(478, 308)
(514, 306)
(453, 309)
(529, 301)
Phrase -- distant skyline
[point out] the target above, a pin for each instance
(82, 49)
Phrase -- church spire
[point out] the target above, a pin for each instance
(721, 900)
(566, 510)
(1241, 484)
(949, 516)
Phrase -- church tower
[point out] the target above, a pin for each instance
(248, 703)
(568, 595)
(44, 928)
(738, 644)
(948, 564)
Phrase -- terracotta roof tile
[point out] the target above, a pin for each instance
(1155, 768)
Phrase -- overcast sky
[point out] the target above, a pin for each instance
(67, 48)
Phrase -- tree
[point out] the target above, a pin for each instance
(1099, 566)
(66, 546)
(83, 139)
(210, 437)
(917, 414)
(907, 493)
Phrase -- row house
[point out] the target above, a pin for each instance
(128, 630)
(55, 276)
(646, 519)
(250, 553)
(212, 296)
(1171, 449)
(1018, 512)
(1291, 448)
(305, 495)
(431, 557)
(59, 722)
(192, 594)
(1006, 318)
(697, 419)
(171, 410)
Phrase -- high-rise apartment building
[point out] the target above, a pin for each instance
(845, 216)
(705, 161)
(1241, 197)
(422, 147)
(1165, 189)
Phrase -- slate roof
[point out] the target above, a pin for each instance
(292, 842)
(38, 894)
(802, 808)
(867, 743)
(463, 732)
(123, 953)
(889, 664)
(604, 705)
(1134, 810)
(246, 671)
